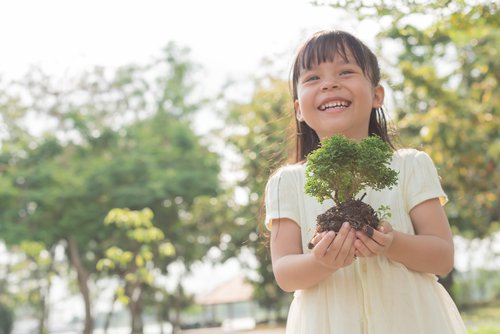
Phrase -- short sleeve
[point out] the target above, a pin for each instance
(422, 181)
(281, 197)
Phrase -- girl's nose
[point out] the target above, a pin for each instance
(329, 84)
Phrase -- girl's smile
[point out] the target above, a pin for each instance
(334, 105)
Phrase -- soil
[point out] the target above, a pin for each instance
(359, 214)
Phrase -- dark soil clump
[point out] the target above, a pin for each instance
(356, 212)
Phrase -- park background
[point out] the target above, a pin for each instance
(136, 139)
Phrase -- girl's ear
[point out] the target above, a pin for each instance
(298, 112)
(378, 96)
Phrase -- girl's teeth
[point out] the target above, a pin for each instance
(334, 105)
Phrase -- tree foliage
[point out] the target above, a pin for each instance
(134, 260)
(342, 167)
(35, 268)
(108, 140)
(259, 132)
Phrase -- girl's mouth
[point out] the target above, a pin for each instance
(334, 105)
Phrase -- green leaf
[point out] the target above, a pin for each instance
(342, 167)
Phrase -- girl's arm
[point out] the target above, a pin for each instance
(294, 270)
(429, 250)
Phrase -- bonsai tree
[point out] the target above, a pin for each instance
(340, 170)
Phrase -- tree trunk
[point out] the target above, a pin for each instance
(83, 277)
(44, 303)
(41, 321)
(160, 318)
(110, 313)
(134, 292)
(38, 276)
(44, 293)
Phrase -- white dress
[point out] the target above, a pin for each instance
(373, 295)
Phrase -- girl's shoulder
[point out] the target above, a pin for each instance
(411, 155)
(287, 179)
(295, 168)
(290, 171)
(413, 161)
(407, 152)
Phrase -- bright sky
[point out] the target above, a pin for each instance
(228, 38)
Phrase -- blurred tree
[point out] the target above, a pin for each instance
(215, 220)
(34, 268)
(132, 257)
(258, 132)
(105, 141)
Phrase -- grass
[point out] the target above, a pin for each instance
(483, 319)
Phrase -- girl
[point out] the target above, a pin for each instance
(351, 282)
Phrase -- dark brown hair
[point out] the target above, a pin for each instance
(322, 47)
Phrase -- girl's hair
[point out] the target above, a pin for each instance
(322, 47)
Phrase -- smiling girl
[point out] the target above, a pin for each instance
(351, 282)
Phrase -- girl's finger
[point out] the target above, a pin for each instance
(361, 249)
(380, 235)
(385, 227)
(352, 255)
(315, 239)
(347, 246)
(321, 248)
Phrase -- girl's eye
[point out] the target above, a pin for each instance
(346, 72)
(311, 78)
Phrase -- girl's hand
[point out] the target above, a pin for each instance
(374, 242)
(334, 250)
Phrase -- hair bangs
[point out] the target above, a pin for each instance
(322, 49)
(325, 46)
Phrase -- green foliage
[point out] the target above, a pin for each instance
(108, 140)
(384, 212)
(259, 131)
(145, 241)
(135, 261)
(33, 268)
(342, 167)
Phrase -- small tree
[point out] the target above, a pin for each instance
(33, 269)
(339, 170)
(135, 263)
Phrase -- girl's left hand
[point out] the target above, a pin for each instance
(378, 243)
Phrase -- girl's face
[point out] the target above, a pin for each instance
(337, 98)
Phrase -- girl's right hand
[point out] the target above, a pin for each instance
(335, 250)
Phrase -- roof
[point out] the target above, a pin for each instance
(233, 291)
